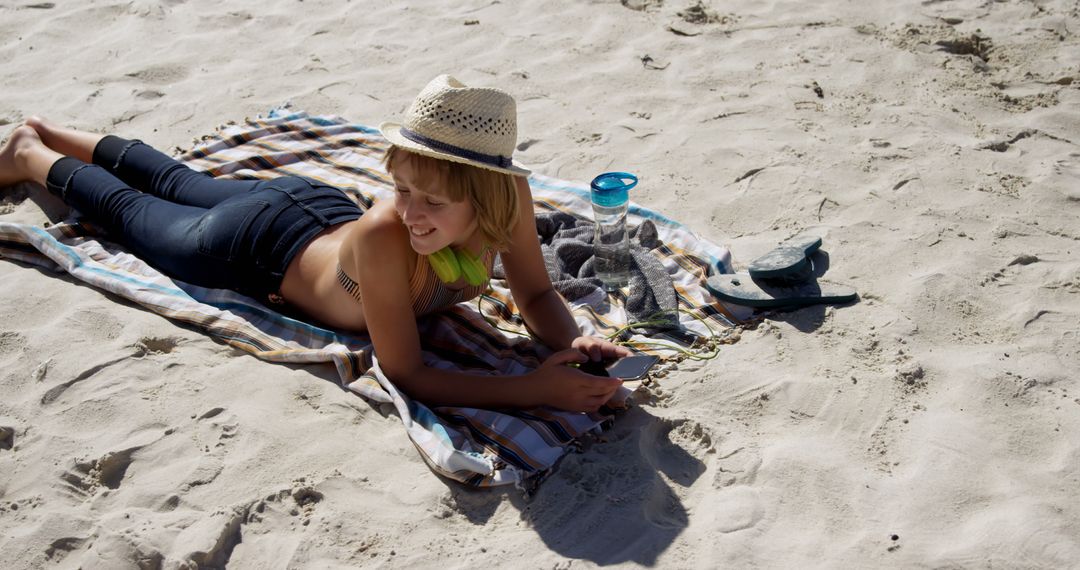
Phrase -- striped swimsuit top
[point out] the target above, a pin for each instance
(426, 291)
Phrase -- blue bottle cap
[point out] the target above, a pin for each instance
(611, 188)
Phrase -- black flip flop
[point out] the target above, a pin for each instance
(789, 261)
(742, 289)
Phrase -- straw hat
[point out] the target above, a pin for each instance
(470, 125)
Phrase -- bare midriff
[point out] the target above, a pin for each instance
(311, 286)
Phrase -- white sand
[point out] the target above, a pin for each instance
(140, 443)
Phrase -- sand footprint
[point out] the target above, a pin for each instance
(210, 433)
(86, 478)
(660, 477)
(96, 321)
(7, 437)
(730, 503)
(299, 502)
(12, 345)
(669, 451)
(210, 541)
(675, 449)
(678, 449)
(61, 547)
(685, 451)
(272, 526)
(222, 427)
(737, 505)
(156, 345)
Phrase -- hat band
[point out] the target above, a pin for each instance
(490, 159)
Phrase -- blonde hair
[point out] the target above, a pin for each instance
(492, 194)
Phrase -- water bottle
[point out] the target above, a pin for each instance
(611, 244)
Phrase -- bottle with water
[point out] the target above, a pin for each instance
(611, 244)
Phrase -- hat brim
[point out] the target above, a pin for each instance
(392, 132)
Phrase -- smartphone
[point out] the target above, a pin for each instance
(629, 368)
(632, 367)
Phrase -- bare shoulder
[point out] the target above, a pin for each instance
(522, 184)
(379, 232)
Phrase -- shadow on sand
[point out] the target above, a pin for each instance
(613, 503)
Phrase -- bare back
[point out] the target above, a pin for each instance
(310, 284)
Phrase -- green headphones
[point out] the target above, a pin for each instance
(450, 265)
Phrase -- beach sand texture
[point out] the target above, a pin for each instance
(936, 423)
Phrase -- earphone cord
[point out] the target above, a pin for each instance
(652, 320)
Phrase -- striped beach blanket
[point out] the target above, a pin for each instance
(476, 447)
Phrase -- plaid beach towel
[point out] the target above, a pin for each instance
(476, 447)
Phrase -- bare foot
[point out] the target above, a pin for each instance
(35, 122)
(66, 141)
(12, 169)
(25, 158)
(42, 126)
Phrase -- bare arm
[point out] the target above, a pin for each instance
(545, 311)
(382, 253)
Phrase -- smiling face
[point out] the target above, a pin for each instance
(493, 196)
(433, 220)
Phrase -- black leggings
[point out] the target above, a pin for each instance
(231, 234)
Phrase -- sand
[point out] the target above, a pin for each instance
(935, 145)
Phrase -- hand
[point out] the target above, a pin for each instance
(598, 349)
(562, 386)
